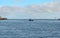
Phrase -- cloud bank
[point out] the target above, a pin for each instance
(31, 9)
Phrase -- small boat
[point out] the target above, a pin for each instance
(31, 20)
(58, 19)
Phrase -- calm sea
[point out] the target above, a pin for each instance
(29, 29)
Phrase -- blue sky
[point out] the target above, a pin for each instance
(22, 3)
(32, 6)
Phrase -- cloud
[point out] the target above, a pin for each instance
(48, 7)
(8, 10)
(51, 7)
(31, 9)
(5, 10)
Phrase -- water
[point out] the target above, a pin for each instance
(29, 29)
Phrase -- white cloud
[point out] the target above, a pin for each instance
(32, 9)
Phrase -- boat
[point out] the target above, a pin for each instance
(1, 18)
(59, 19)
(31, 20)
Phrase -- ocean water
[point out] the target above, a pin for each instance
(29, 29)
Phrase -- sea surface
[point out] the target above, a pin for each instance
(24, 28)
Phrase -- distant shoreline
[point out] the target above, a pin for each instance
(33, 19)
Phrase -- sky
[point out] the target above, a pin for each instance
(26, 9)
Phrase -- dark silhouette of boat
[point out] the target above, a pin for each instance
(58, 19)
(31, 20)
(3, 18)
